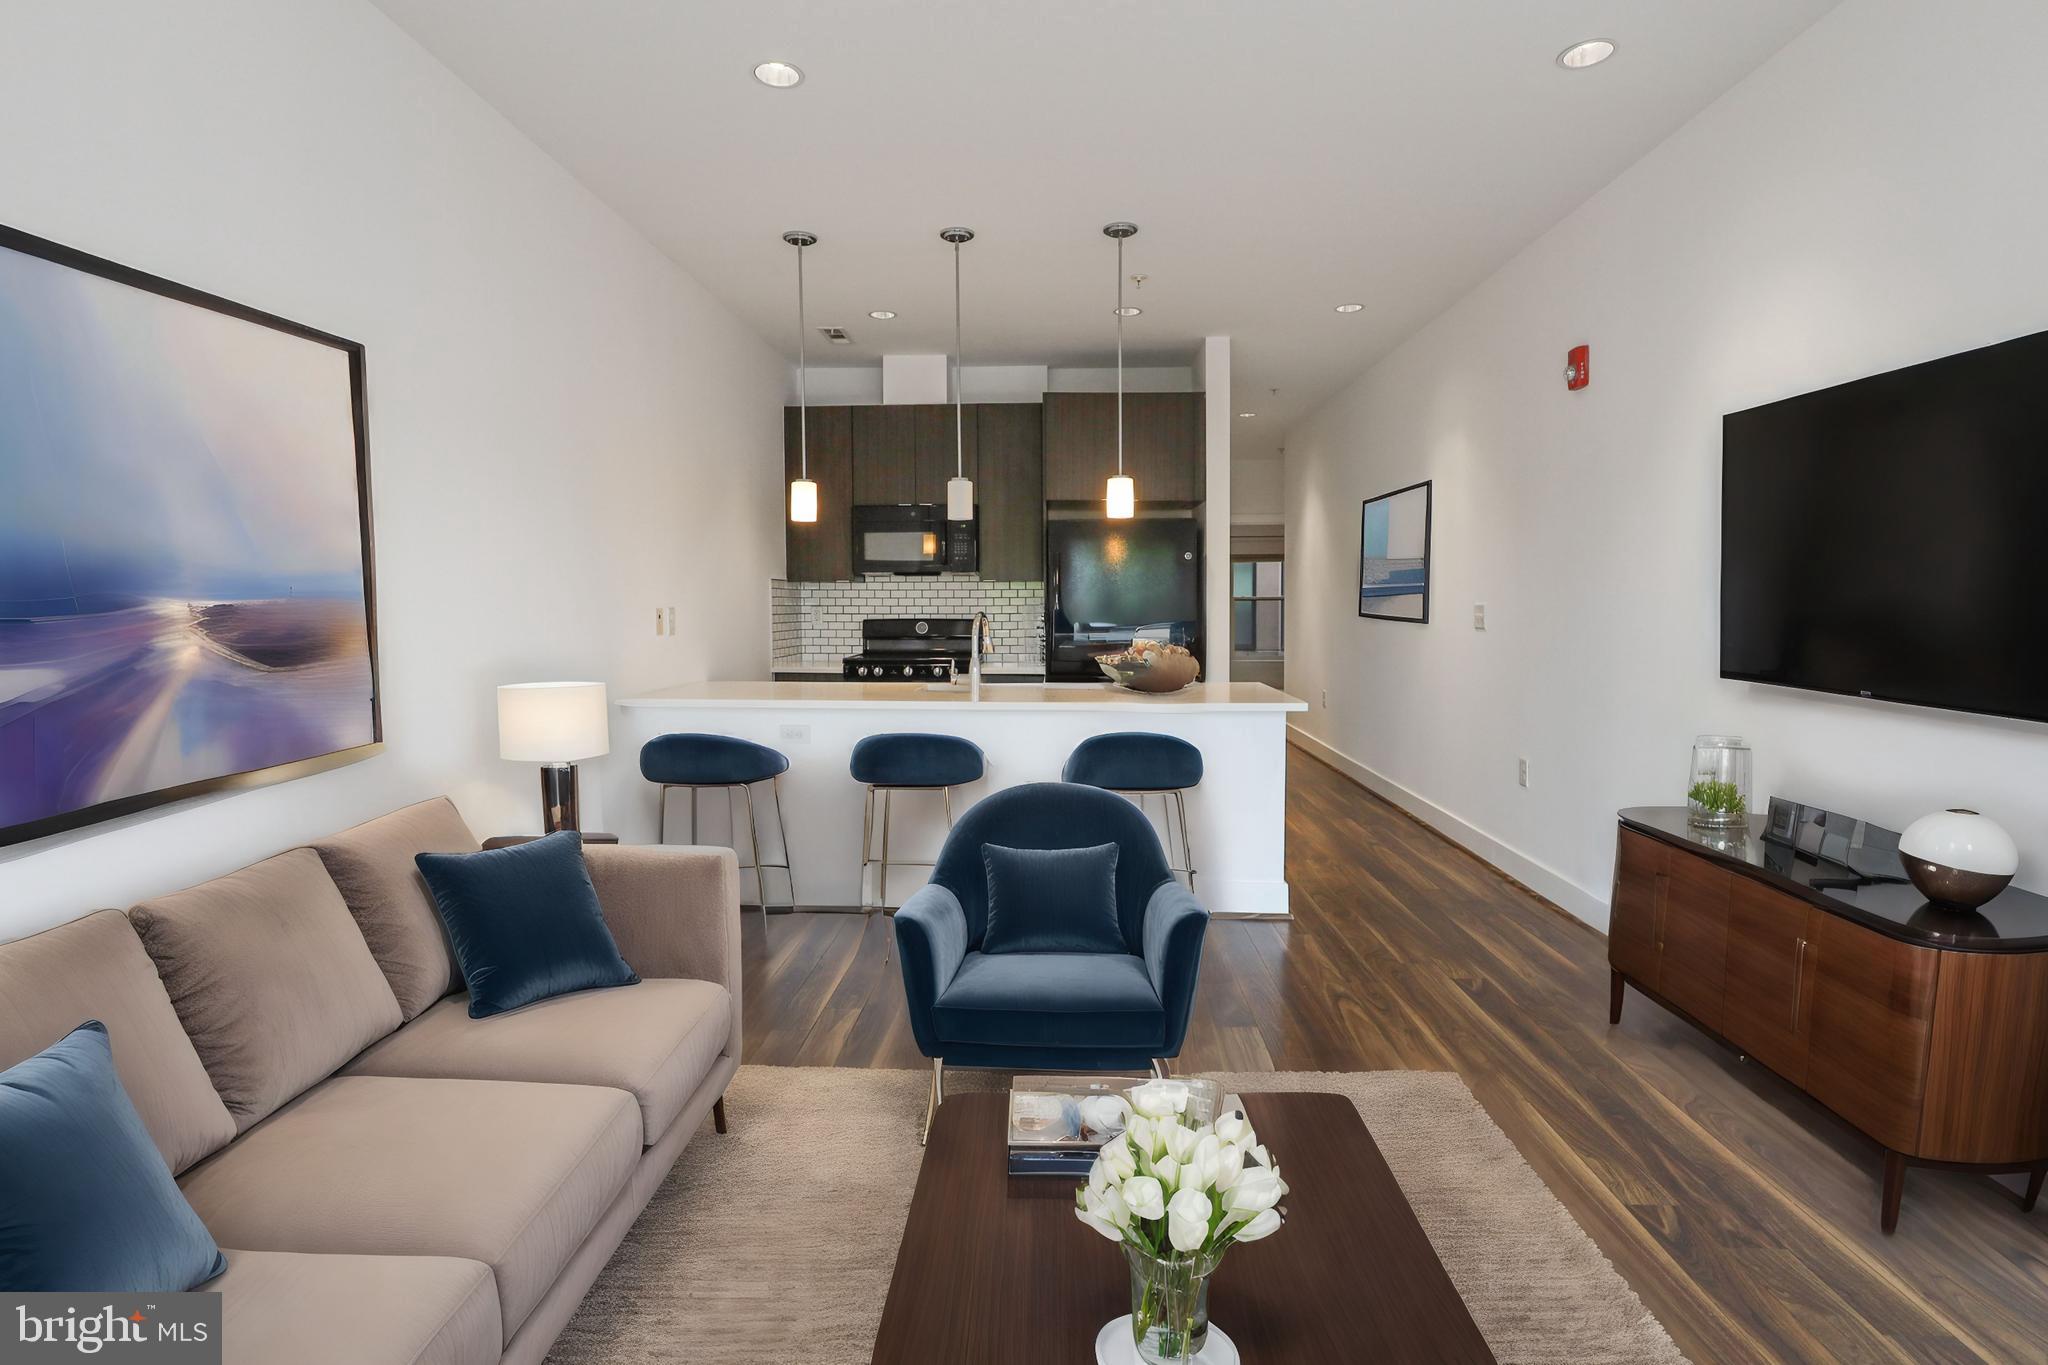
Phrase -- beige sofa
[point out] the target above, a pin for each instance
(393, 1181)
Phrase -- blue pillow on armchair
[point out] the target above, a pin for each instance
(86, 1201)
(524, 922)
(1051, 900)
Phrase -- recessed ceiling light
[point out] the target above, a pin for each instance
(881, 315)
(1247, 414)
(782, 75)
(1350, 307)
(1592, 52)
(1128, 312)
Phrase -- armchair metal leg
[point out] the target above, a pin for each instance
(1160, 1069)
(718, 1114)
(935, 1099)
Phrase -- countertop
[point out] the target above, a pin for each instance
(1013, 696)
(2014, 921)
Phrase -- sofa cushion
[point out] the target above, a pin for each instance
(270, 978)
(95, 968)
(657, 1041)
(525, 922)
(1056, 999)
(373, 866)
(86, 1201)
(1051, 900)
(507, 1173)
(357, 1310)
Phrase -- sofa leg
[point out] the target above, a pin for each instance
(718, 1113)
(1160, 1069)
(937, 1096)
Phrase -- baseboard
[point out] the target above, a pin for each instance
(1538, 876)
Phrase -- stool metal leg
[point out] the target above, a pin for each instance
(693, 815)
(754, 848)
(1187, 851)
(884, 889)
(661, 826)
(782, 832)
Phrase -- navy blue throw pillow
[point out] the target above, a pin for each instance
(86, 1202)
(525, 922)
(1051, 900)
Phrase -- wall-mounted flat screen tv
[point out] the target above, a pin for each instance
(186, 599)
(1888, 538)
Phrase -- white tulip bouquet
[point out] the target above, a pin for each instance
(1177, 1195)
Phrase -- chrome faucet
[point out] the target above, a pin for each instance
(983, 643)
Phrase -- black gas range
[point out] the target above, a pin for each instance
(911, 649)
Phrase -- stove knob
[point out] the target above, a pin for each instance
(909, 672)
(862, 670)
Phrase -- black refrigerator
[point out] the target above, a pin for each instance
(1110, 582)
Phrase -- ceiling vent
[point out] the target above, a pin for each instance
(836, 335)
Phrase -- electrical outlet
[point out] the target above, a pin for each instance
(1479, 616)
(1326, 699)
(796, 734)
(660, 621)
(1522, 771)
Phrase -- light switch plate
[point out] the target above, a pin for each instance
(1479, 616)
(796, 734)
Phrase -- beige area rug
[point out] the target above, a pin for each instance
(775, 1242)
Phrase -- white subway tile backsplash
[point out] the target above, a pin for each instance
(822, 621)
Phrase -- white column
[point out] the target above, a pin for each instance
(1213, 363)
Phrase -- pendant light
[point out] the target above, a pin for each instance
(1120, 499)
(803, 494)
(959, 488)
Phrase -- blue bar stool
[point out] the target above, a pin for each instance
(724, 762)
(1139, 765)
(905, 763)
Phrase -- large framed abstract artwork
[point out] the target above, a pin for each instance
(1393, 555)
(187, 598)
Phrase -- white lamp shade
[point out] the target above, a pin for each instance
(1122, 498)
(803, 500)
(553, 722)
(1964, 840)
(959, 500)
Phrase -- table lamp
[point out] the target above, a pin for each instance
(553, 724)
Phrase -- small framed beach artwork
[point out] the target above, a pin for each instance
(1393, 555)
(186, 595)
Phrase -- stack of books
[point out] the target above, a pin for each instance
(1058, 1123)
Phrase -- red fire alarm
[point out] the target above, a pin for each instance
(1575, 371)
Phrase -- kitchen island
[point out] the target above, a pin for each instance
(1237, 817)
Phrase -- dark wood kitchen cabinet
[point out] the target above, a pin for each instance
(1165, 449)
(822, 550)
(1010, 488)
(935, 448)
(1922, 1027)
(885, 461)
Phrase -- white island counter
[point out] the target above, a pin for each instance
(1237, 817)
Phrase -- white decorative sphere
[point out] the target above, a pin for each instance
(1958, 857)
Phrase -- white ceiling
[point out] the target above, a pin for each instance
(1279, 156)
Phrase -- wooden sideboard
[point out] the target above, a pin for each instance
(1925, 1028)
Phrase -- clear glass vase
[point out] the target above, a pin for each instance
(1717, 791)
(1169, 1305)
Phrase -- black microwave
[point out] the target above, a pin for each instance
(911, 537)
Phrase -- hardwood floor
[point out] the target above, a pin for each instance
(1742, 1212)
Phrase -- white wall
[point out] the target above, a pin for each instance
(565, 430)
(1870, 198)
(1258, 488)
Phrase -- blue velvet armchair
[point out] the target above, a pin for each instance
(1050, 1011)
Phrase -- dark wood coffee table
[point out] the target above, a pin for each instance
(996, 1269)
